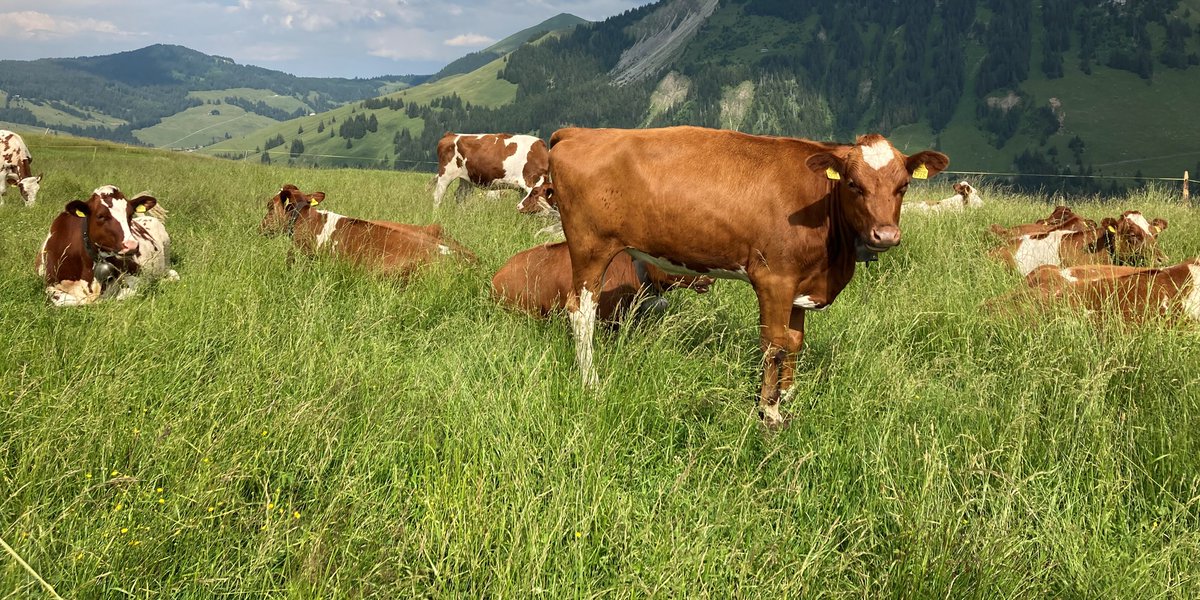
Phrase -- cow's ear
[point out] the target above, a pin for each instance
(827, 164)
(143, 203)
(316, 198)
(285, 198)
(926, 164)
(78, 208)
(1109, 224)
(1158, 225)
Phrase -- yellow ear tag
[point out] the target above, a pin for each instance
(141, 208)
(1156, 228)
(1112, 229)
(832, 174)
(922, 172)
(79, 213)
(313, 202)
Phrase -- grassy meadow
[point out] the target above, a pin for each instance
(260, 429)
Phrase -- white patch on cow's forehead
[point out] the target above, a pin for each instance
(120, 212)
(331, 221)
(1140, 221)
(878, 155)
(106, 190)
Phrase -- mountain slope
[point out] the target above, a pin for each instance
(478, 59)
(115, 95)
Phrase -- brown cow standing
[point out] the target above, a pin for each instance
(1137, 294)
(1129, 240)
(789, 216)
(538, 281)
(494, 159)
(15, 161)
(383, 246)
(104, 239)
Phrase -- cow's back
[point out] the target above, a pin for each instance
(697, 188)
(15, 158)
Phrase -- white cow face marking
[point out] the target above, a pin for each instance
(878, 155)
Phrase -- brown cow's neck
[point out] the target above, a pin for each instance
(842, 242)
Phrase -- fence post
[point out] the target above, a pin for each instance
(1185, 188)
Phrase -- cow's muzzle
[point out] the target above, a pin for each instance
(883, 238)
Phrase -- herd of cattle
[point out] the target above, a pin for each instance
(646, 211)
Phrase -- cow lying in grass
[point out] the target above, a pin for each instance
(1135, 294)
(964, 197)
(1129, 240)
(538, 281)
(385, 247)
(1061, 218)
(104, 246)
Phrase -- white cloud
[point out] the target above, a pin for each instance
(469, 39)
(30, 25)
(401, 44)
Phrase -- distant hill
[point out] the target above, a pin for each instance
(115, 96)
(1076, 87)
(478, 59)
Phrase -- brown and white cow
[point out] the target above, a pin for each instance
(1129, 240)
(15, 161)
(1136, 294)
(1061, 218)
(493, 160)
(965, 196)
(386, 247)
(789, 216)
(538, 281)
(105, 245)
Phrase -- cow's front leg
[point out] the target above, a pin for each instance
(781, 335)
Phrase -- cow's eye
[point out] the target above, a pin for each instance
(854, 185)
(902, 189)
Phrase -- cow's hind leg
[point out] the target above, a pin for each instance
(464, 188)
(781, 337)
(582, 305)
(443, 182)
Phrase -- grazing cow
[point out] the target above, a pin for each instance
(789, 216)
(1061, 218)
(389, 248)
(103, 245)
(964, 196)
(538, 281)
(1130, 240)
(1136, 294)
(493, 159)
(14, 168)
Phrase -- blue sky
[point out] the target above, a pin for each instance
(332, 38)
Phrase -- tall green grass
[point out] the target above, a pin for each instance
(264, 430)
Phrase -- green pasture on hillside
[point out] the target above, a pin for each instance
(301, 429)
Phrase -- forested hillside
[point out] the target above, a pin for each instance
(1042, 86)
(113, 96)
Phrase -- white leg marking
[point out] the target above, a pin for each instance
(583, 325)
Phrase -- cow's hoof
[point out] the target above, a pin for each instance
(771, 417)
